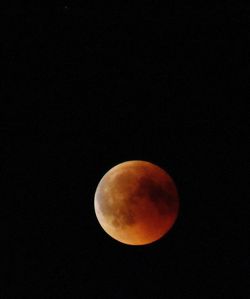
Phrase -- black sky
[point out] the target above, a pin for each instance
(86, 88)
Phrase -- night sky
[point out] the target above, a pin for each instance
(87, 87)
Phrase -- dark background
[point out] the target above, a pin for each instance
(86, 88)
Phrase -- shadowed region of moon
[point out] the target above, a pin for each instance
(136, 202)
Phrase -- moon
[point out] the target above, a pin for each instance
(136, 202)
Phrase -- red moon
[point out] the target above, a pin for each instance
(136, 202)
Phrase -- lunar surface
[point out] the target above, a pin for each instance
(136, 202)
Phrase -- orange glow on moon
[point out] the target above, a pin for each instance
(136, 202)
